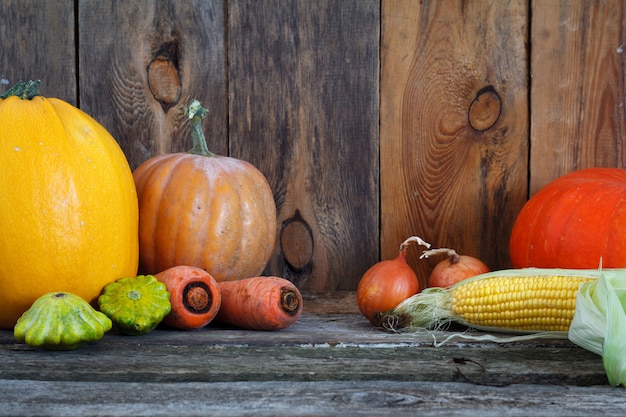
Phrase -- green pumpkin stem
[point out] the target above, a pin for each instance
(196, 113)
(25, 90)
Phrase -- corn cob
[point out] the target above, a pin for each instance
(523, 300)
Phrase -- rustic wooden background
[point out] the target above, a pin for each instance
(373, 120)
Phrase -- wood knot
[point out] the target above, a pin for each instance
(485, 109)
(296, 243)
(163, 79)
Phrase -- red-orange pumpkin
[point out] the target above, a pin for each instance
(213, 212)
(573, 222)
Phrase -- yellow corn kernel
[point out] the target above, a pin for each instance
(520, 303)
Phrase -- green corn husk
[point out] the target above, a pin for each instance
(599, 323)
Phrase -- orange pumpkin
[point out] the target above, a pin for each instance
(68, 212)
(573, 222)
(198, 209)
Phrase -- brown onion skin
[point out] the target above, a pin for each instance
(384, 286)
(455, 269)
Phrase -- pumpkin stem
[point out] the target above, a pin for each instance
(25, 90)
(196, 113)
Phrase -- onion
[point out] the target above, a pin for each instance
(387, 283)
(454, 269)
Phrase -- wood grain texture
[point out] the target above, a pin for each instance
(318, 347)
(142, 62)
(308, 398)
(578, 92)
(303, 90)
(37, 39)
(454, 126)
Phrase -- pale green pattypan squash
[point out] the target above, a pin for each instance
(135, 305)
(61, 321)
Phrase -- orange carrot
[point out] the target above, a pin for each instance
(194, 295)
(259, 303)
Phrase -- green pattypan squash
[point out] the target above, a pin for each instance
(60, 321)
(135, 305)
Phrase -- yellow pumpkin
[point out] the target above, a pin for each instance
(68, 203)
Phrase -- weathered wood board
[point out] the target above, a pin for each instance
(317, 348)
(141, 64)
(454, 126)
(303, 89)
(578, 88)
(277, 398)
(38, 43)
(323, 365)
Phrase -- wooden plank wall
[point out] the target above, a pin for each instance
(454, 125)
(38, 42)
(373, 120)
(578, 72)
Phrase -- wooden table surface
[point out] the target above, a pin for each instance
(331, 362)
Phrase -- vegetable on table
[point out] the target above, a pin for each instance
(453, 269)
(69, 206)
(213, 212)
(387, 283)
(573, 222)
(61, 321)
(136, 305)
(522, 300)
(194, 294)
(259, 303)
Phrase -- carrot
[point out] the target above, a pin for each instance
(194, 295)
(259, 303)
